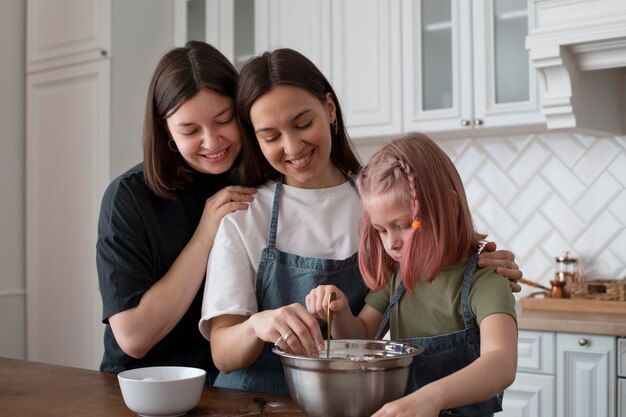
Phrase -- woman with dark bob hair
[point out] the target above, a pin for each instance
(158, 220)
(301, 230)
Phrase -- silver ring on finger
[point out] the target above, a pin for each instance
(283, 338)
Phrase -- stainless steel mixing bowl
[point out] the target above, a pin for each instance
(356, 380)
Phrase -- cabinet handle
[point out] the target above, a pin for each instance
(465, 122)
(583, 342)
(103, 52)
(478, 122)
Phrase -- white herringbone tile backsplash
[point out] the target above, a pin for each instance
(538, 195)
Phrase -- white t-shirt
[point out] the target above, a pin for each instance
(321, 223)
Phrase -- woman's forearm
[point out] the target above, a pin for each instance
(234, 344)
(160, 309)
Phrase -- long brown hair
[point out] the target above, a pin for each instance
(414, 172)
(180, 75)
(259, 76)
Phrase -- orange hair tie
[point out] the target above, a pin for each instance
(416, 224)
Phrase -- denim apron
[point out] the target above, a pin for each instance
(284, 279)
(447, 353)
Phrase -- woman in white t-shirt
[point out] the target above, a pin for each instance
(300, 231)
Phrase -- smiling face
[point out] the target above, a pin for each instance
(205, 131)
(392, 221)
(293, 130)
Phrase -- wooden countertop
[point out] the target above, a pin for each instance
(571, 322)
(32, 389)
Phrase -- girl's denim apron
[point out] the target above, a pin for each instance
(284, 279)
(446, 354)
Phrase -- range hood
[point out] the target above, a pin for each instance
(579, 50)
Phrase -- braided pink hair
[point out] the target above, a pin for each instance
(412, 192)
(413, 171)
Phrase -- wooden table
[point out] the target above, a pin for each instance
(29, 389)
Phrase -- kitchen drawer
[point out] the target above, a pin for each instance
(535, 352)
(621, 397)
(621, 357)
(530, 395)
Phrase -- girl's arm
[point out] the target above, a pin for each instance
(495, 369)
(237, 340)
(344, 325)
(160, 309)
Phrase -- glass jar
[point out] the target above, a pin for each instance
(568, 270)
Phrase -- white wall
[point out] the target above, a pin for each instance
(540, 194)
(12, 133)
(137, 50)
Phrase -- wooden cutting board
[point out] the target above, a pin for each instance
(577, 305)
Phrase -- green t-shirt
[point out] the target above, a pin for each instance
(435, 308)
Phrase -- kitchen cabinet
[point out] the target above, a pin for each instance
(228, 25)
(443, 67)
(621, 398)
(241, 29)
(534, 391)
(579, 368)
(586, 375)
(67, 157)
(367, 65)
(621, 377)
(84, 118)
(361, 58)
(302, 25)
(466, 68)
(66, 32)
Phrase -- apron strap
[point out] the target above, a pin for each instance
(271, 241)
(394, 300)
(465, 290)
(467, 313)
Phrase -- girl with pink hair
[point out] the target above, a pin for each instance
(418, 254)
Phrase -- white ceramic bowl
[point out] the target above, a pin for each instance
(162, 390)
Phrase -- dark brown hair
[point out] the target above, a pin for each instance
(259, 76)
(180, 75)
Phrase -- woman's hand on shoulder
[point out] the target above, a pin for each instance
(504, 262)
(226, 200)
(292, 328)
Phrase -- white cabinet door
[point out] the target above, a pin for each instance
(466, 67)
(64, 32)
(303, 25)
(366, 63)
(505, 84)
(67, 164)
(535, 352)
(437, 63)
(585, 375)
(531, 395)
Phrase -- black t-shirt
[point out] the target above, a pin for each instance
(139, 237)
